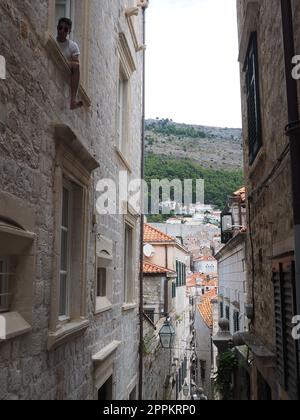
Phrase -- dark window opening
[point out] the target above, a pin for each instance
(105, 392)
(253, 99)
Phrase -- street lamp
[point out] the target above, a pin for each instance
(167, 334)
(185, 389)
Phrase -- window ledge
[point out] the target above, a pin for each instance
(106, 352)
(61, 62)
(66, 333)
(102, 305)
(123, 159)
(12, 325)
(129, 307)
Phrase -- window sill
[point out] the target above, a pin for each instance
(123, 159)
(129, 307)
(102, 305)
(59, 59)
(12, 325)
(66, 333)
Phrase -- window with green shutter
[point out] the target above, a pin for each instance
(253, 99)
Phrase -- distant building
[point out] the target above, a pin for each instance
(204, 323)
(207, 265)
(166, 262)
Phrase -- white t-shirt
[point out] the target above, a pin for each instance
(69, 49)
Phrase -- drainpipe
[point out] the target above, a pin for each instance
(293, 132)
(144, 5)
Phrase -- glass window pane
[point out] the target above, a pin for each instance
(65, 208)
(64, 251)
(63, 295)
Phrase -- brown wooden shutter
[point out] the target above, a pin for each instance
(286, 346)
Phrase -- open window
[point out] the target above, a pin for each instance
(16, 274)
(78, 12)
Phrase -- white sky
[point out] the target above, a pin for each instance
(192, 69)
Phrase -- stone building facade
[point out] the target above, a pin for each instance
(271, 246)
(166, 371)
(232, 264)
(68, 301)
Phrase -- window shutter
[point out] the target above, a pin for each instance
(286, 346)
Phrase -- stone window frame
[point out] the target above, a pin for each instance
(249, 27)
(104, 259)
(74, 163)
(132, 388)
(104, 367)
(18, 244)
(82, 39)
(129, 292)
(125, 70)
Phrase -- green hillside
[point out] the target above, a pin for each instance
(219, 184)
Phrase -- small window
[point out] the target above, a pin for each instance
(101, 282)
(16, 270)
(150, 314)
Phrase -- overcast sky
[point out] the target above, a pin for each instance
(192, 69)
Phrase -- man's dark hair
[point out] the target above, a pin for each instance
(67, 21)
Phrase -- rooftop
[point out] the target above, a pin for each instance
(206, 307)
(152, 234)
(155, 269)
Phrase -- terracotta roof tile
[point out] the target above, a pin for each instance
(152, 234)
(206, 308)
(203, 258)
(155, 269)
(204, 280)
(241, 193)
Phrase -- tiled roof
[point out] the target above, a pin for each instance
(206, 308)
(152, 234)
(155, 269)
(203, 258)
(204, 281)
(241, 193)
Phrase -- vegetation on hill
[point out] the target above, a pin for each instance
(219, 184)
(167, 127)
(212, 147)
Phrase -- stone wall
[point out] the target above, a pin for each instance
(269, 208)
(268, 179)
(34, 97)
